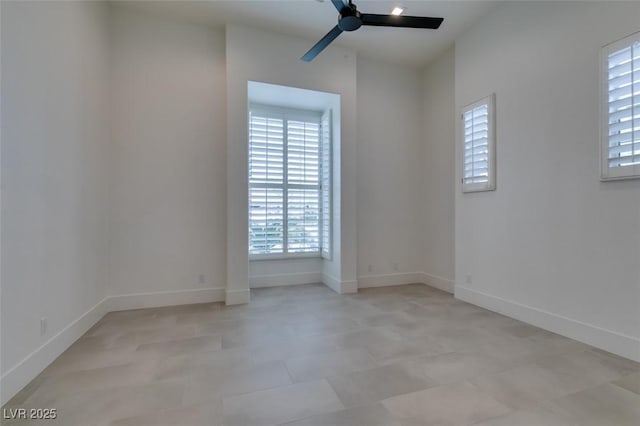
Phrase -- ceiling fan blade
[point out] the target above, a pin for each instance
(401, 21)
(322, 44)
(339, 4)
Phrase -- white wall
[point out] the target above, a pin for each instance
(389, 174)
(553, 245)
(254, 55)
(55, 137)
(438, 177)
(270, 273)
(168, 174)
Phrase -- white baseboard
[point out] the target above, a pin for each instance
(386, 280)
(440, 283)
(403, 278)
(237, 297)
(26, 370)
(331, 282)
(608, 340)
(348, 287)
(258, 281)
(340, 287)
(124, 302)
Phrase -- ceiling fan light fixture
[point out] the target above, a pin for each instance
(397, 11)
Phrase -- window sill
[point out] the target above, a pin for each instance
(289, 256)
(621, 173)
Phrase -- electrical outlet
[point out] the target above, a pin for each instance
(201, 279)
(468, 279)
(396, 267)
(43, 326)
(370, 268)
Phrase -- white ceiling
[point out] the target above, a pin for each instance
(312, 19)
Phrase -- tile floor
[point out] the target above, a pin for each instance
(303, 355)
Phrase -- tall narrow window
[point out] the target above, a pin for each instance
(478, 138)
(285, 182)
(620, 138)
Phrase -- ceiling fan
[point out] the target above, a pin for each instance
(351, 19)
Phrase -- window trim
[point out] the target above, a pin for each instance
(288, 114)
(490, 185)
(607, 173)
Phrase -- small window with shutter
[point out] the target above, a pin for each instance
(620, 110)
(478, 141)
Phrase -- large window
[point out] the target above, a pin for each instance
(289, 193)
(620, 138)
(478, 142)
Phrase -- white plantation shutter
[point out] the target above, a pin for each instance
(303, 221)
(284, 181)
(266, 217)
(303, 157)
(476, 145)
(266, 178)
(325, 183)
(478, 165)
(303, 176)
(266, 162)
(621, 112)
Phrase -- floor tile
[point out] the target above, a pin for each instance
(151, 321)
(294, 348)
(603, 405)
(552, 343)
(517, 328)
(255, 337)
(331, 326)
(280, 405)
(510, 352)
(95, 379)
(426, 312)
(630, 382)
(329, 364)
(463, 336)
(86, 358)
(455, 367)
(189, 365)
(406, 348)
(221, 382)
(367, 338)
(416, 327)
(365, 415)
(179, 347)
(141, 337)
(384, 319)
(593, 369)
(100, 407)
(527, 386)
(376, 384)
(451, 405)
(533, 417)
(204, 414)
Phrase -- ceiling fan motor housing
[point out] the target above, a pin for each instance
(349, 19)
